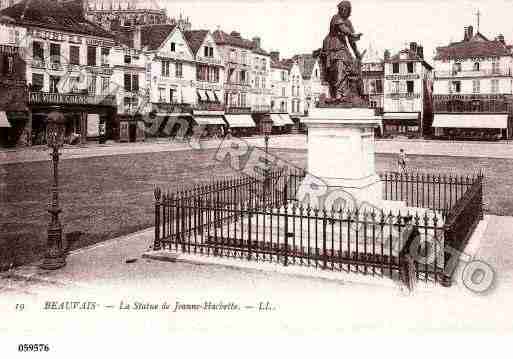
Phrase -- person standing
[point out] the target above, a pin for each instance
(401, 161)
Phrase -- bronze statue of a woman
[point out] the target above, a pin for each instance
(341, 70)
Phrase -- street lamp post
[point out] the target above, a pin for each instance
(55, 257)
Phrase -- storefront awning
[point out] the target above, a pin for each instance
(239, 121)
(401, 116)
(471, 120)
(211, 96)
(277, 120)
(202, 96)
(3, 120)
(209, 120)
(285, 119)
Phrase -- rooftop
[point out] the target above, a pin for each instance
(235, 39)
(281, 64)
(306, 63)
(124, 5)
(152, 36)
(474, 46)
(50, 14)
(195, 39)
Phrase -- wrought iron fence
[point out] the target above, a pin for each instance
(261, 220)
(426, 190)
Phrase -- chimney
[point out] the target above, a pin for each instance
(413, 47)
(79, 7)
(137, 37)
(469, 32)
(257, 42)
(386, 55)
(275, 56)
(420, 51)
(500, 38)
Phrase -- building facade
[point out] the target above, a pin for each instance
(407, 93)
(67, 68)
(313, 85)
(473, 88)
(280, 84)
(261, 92)
(8, 3)
(373, 75)
(13, 87)
(131, 88)
(247, 101)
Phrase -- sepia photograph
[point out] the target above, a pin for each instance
(179, 174)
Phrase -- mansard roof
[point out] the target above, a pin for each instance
(54, 15)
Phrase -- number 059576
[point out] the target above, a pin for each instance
(33, 348)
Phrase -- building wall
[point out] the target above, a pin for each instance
(65, 70)
(216, 61)
(260, 81)
(490, 69)
(314, 87)
(398, 99)
(13, 89)
(280, 85)
(184, 86)
(237, 92)
(297, 104)
(136, 67)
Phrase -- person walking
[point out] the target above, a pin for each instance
(401, 161)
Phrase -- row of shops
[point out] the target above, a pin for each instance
(100, 122)
(448, 126)
(215, 125)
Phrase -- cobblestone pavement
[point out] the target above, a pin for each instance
(105, 197)
(417, 147)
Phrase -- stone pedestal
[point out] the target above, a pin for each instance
(341, 151)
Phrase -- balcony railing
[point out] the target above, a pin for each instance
(48, 98)
(11, 50)
(209, 107)
(261, 108)
(471, 103)
(234, 110)
(57, 66)
(209, 60)
(167, 107)
(480, 73)
(406, 95)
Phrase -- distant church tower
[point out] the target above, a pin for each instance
(126, 13)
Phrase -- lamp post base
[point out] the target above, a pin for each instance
(55, 257)
(53, 263)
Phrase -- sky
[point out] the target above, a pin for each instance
(299, 26)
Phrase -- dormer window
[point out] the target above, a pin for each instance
(208, 51)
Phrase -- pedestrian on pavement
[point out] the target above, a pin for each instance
(401, 161)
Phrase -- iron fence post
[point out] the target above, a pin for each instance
(324, 254)
(446, 277)
(157, 194)
(286, 249)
